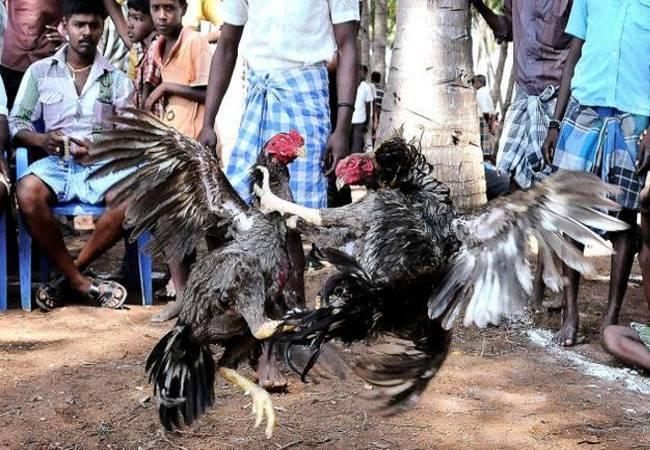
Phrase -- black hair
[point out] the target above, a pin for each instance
(375, 77)
(364, 68)
(480, 78)
(140, 6)
(71, 7)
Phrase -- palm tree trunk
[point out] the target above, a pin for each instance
(364, 33)
(430, 96)
(379, 39)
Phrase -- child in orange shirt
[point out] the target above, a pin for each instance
(183, 56)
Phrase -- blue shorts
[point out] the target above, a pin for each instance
(68, 179)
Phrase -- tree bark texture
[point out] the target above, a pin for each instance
(430, 97)
(379, 39)
(364, 33)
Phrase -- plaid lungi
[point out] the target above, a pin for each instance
(603, 141)
(277, 103)
(524, 130)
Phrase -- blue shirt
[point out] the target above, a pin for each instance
(614, 69)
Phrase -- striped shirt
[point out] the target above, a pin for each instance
(48, 92)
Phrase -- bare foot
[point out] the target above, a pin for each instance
(170, 312)
(268, 373)
(555, 301)
(568, 336)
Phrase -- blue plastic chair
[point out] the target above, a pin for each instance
(68, 209)
(3, 260)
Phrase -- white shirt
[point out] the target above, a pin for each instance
(484, 100)
(285, 34)
(364, 96)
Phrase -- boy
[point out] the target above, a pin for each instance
(362, 115)
(74, 93)
(183, 56)
(629, 344)
(604, 106)
(137, 32)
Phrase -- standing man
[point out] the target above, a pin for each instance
(604, 106)
(487, 116)
(362, 115)
(536, 28)
(31, 34)
(286, 51)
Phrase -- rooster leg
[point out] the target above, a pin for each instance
(262, 404)
(271, 202)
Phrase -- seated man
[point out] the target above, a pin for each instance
(74, 92)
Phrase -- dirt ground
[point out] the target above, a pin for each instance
(74, 379)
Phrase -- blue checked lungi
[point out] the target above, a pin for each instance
(603, 141)
(277, 103)
(67, 179)
(524, 130)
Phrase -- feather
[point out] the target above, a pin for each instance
(493, 257)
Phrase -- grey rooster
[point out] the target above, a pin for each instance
(179, 192)
(418, 263)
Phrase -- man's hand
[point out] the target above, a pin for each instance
(79, 149)
(548, 147)
(52, 142)
(208, 138)
(338, 147)
(53, 36)
(156, 94)
(643, 155)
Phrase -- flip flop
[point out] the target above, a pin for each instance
(106, 293)
(48, 295)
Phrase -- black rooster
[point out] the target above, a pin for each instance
(418, 262)
(179, 192)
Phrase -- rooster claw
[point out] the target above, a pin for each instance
(263, 408)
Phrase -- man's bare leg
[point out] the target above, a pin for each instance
(568, 332)
(269, 375)
(644, 255)
(625, 344)
(34, 201)
(625, 244)
(108, 230)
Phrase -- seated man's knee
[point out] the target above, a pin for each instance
(32, 194)
(611, 338)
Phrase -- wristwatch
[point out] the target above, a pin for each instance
(554, 124)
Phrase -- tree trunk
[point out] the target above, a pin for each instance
(379, 41)
(364, 33)
(498, 77)
(430, 96)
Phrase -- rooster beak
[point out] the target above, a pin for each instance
(301, 153)
(340, 184)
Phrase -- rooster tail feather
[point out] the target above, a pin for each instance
(182, 372)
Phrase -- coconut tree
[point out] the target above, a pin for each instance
(379, 37)
(430, 94)
(364, 33)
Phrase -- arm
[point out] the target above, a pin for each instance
(195, 94)
(338, 145)
(115, 12)
(221, 69)
(501, 25)
(564, 93)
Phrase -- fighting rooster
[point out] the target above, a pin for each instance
(418, 263)
(179, 192)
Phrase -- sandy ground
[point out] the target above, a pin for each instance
(73, 379)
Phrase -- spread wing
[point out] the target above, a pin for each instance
(177, 190)
(490, 274)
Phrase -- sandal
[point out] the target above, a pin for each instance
(48, 296)
(111, 296)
